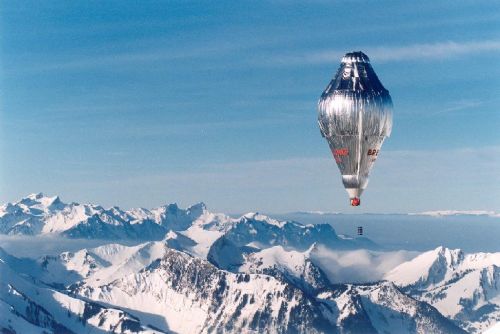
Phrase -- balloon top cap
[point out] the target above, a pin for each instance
(355, 57)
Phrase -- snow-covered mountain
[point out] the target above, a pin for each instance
(293, 266)
(27, 307)
(172, 270)
(38, 214)
(254, 232)
(199, 232)
(154, 287)
(463, 287)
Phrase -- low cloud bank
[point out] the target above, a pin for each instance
(359, 266)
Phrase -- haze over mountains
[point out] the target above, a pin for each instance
(472, 231)
(189, 270)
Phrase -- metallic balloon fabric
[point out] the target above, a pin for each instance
(355, 116)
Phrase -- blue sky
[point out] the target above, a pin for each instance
(143, 103)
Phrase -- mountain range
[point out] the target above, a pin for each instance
(172, 270)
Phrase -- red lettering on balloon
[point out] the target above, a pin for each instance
(341, 152)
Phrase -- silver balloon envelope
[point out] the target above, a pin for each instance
(355, 116)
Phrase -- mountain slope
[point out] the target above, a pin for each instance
(387, 309)
(30, 308)
(463, 287)
(292, 266)
(190, 295)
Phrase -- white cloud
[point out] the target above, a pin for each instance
(359, 266)
(437, 50)
(433, 51)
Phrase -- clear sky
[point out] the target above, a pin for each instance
(141, 103)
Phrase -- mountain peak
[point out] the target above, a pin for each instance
(173, 207)
(452, 256)
(35, 196)
(199, 205)
(196, 210)
(262, 218)
(32, 199)
(40, 200)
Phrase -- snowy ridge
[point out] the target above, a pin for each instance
(34, 308)
(37, 214)
(444, 213)
(463, 287)
(293, 266)
(378, 301)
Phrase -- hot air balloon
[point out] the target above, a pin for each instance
(355, 116)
